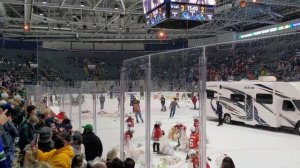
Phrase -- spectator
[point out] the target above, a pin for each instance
(92, 143)
(173, 106)
(77, 161)
(227, 163)
(27, 130)
(8, 135)
(31, 110)
(163, 102)
(137, 110)
(117, 163)
(45, 143)
(97, 163)
(111, 155)
(102, 100)
(61, 155)
(129, 163)
(3, 120)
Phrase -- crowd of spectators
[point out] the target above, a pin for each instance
(33, 137)
(277, 56)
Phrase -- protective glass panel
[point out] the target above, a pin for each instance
(134, 109)
(175, 78)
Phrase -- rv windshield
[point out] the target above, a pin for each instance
(297, 103)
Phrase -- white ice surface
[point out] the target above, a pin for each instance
(248, 147)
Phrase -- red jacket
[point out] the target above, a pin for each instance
(130, 122)
(194, 141)
(156, 133)
(194, 99)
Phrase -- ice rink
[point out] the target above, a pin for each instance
(248, 147)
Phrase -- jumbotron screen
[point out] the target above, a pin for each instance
(200, 2)
(156, 16)
(151, 4)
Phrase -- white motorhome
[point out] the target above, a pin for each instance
(271, 104)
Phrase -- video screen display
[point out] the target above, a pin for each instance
(151, 4)
(201, 2)
(191, 12)
(156, 16)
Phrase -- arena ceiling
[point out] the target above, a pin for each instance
(124, 20)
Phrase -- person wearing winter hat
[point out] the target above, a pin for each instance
(60, 156)
(4, 96)
(45, 142)
(92, 143)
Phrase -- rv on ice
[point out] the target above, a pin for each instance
(263, 102)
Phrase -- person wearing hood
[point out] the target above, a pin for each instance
(62, 154)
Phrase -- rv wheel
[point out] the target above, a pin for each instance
(297, 128)
(227, 119)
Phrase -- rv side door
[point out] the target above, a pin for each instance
(288, 113)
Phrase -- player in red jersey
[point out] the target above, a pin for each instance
(128, 136)
(194, 139)
(194, 158)
(130, 122)
(196, 124)
(156, 135)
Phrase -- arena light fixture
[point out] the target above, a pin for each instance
(44, 1)
(26, 27)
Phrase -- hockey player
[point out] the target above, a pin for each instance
(156, 135)
(196, 124)
(193, 141)
(194, 100)
(194, 158)
(128, 136)
(129, 122)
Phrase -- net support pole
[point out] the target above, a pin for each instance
(148, 116)
(122, 109)
(202, 108)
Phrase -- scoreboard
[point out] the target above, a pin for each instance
(178, 14)
(193, 12)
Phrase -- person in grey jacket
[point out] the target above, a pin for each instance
(220, 113)
(173, 106)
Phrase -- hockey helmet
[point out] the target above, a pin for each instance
(158, 122)
(193, 129)
(192, 152)
(196, 118)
